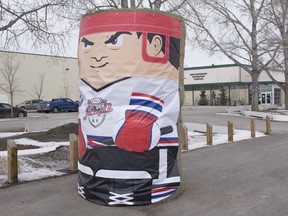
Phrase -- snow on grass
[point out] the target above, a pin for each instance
(26, 170)
(43, 146)
(198, 140)
(10, 134)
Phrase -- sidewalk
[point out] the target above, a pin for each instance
(245, 178)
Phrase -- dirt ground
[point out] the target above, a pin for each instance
(57, 134)
(54, 160)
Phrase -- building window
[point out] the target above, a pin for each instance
(277, 96)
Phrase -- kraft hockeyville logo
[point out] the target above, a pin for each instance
(96, 111)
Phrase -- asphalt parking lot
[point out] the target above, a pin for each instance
(245, 178)
(18, 124)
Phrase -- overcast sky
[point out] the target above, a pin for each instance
(197, 57)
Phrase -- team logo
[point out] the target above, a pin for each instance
(96, 111)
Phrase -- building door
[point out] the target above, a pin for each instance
(266, 97)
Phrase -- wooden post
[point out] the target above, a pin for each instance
(184, 138)
(73, 150)
(230, 131)
(268, 125)
(209, 134)
(12, 162)
(252, 127)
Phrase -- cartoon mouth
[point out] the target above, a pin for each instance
(100, 66)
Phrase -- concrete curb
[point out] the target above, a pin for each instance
(257, 114)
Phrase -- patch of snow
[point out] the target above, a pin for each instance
(198, 140)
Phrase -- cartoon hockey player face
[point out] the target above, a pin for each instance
(111, 56)
(103, 57)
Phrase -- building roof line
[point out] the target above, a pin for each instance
(213, 66)
(37, 54)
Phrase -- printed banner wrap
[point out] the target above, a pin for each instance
(129, 84)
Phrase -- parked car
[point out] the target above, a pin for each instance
(58, 105)
(29, 104)
(5, 111)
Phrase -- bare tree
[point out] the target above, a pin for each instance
(10, 82)
(84, 7)
(36, 24)
(157, 4)
(277, 37)
(133, 3)
(234, 28)
(124, 3)
(38, 87)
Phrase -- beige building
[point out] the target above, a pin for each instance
(60, 79)
(59, 75)
(236, 82)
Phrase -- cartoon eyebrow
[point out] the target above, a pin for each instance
(115, 36)
(87, 42)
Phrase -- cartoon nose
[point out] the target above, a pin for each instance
(98, 59)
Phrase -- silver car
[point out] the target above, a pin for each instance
(29, 104)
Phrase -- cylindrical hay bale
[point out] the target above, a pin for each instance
(268, 125)
(230, 131)
(73, 152)
(12, 162)
(209, 134)
(252, 127)
(130, 65)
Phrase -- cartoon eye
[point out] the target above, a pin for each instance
(86, 43)
(116, 42)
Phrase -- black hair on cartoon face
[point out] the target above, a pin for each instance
(174, 47)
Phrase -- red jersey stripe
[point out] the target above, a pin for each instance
(137, 94)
